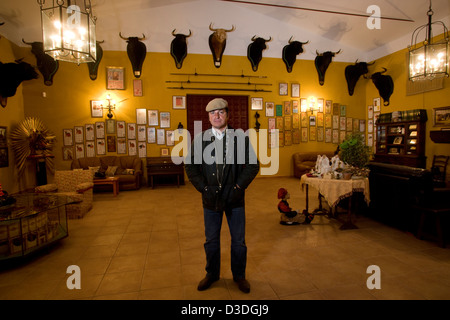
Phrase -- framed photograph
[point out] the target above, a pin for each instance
(295, 106)
(131, 131)
(287, 107)
(287, 123)
(67, 153)
(328, 134)
(141, 116)
(164, 118)
(151, 135)
(137, 87)
(179, 102)
(270, 109)
(100, 130)
(110, 126)
(164, 152)
(3, 136)
(169, 138)
(370, 112)
(296, 136)
(160, 136)
(328, 106)
(377, 104)
(398, 140)
(279, 110)
(101, 146)
(79, 150)
(79, 134)
(320, 104)
(90, 131)
(320, 134)
(132, 148)
(288, 138)
(272, 124)
(283, 89)
(257, 103)
(152, 117)
(4, 157)
(441, 117)
(295, 90)
(141, 130)
(121, 146)
(280, 124)
(115, 78)
(68, 137)
(111, 143)
(90, 149)
(142, 149)
(295, 121)
(121, 129)
(304, 134)
(343, 111)
(96, 109)
(303, 105)
(312, 121)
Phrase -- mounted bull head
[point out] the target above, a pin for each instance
(290, 53)
(136, 51)
(384, 84)
(322, 62)
(46, 65)
(93, 66)
(354, 72)
(12, 75)
(217, 42)
(255, 49)
(178, 47)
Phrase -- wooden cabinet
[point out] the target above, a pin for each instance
(401, 143)
(163, 170)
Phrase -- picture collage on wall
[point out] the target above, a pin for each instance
(373, 113)
(298, 121)
(116, 136)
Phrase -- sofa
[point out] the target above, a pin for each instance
(77, 186)
(305, 161)
(127, 168)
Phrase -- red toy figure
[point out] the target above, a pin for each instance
(288, 216)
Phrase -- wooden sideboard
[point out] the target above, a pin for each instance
(164, 168)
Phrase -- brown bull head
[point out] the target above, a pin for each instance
(217, 43)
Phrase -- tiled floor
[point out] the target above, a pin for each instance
(148, 244)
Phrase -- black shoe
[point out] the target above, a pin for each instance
(243, 285)
(206, 282)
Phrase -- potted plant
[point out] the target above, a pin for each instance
(355, 154)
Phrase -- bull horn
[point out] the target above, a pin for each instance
(290, 39)
(254, 38)
(371, 64)
(232, 29)
(211, 28)
(384, 70)
(317, 52)
(270, 39)
(356, 61)
(101, 41)
(190, 33)
(173, 32)
(305, 42)
(338, 51)
(29, 43)
(143, 37)
(120, 35)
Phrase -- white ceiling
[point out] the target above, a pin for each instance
(325, 31)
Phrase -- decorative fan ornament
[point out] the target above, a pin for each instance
(32, 138)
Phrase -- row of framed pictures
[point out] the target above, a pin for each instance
(287, 123)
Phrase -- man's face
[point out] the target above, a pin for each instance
(218, 119)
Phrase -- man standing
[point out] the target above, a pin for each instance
(221, 165)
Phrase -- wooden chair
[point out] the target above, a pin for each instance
(439, 170)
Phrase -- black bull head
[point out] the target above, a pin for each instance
(255, 49)
(322, 62)
(178, 47)
(136, 51)
(46, 65)
(217, 42)
(93, 66)
(384, 84)
(354, 72)
(12, 75)
(290, 53)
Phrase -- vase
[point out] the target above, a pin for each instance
(346, 175)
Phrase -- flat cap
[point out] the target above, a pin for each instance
(216, 104)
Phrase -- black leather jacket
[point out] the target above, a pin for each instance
(238, 170)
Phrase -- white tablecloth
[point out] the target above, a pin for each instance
(334, 190)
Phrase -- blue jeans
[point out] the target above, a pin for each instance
(236, 224)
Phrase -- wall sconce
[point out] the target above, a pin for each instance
(312, 103)
(110, 106)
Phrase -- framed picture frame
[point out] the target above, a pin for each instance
(96, 109)
(377, 104)
(137, 88)
(110, 126)
(68, 137)
(121, 146)
(152, 117)
(270, 109)
(90, 148)
(441, 117)
(100, 130)
(257, 103)
(3, 136)
(132, 148)
(121, 129)
(160, 136)
(111, 143)
(328, 106)
(151, 135)
(142, 149)
(79, 150)
(141, 116)
(283, 89)
(142, 133)
(164, 152)
(115, 78)
(295, 90)
(4, 156)
(178, 102)
(131, 131)
(101, 146)
(164, 119)
(79, 134)
(67, 153)
(90, 131)
(170, 138)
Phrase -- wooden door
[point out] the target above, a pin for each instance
(237, 109)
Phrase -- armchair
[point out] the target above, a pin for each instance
(75, 184)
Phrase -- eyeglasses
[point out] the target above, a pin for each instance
(220, 112)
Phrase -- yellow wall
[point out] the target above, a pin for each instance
(67, 102)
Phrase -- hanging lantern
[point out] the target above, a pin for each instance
(68, 31)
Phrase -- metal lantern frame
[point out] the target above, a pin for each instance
(68, 31)
(431, 60)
